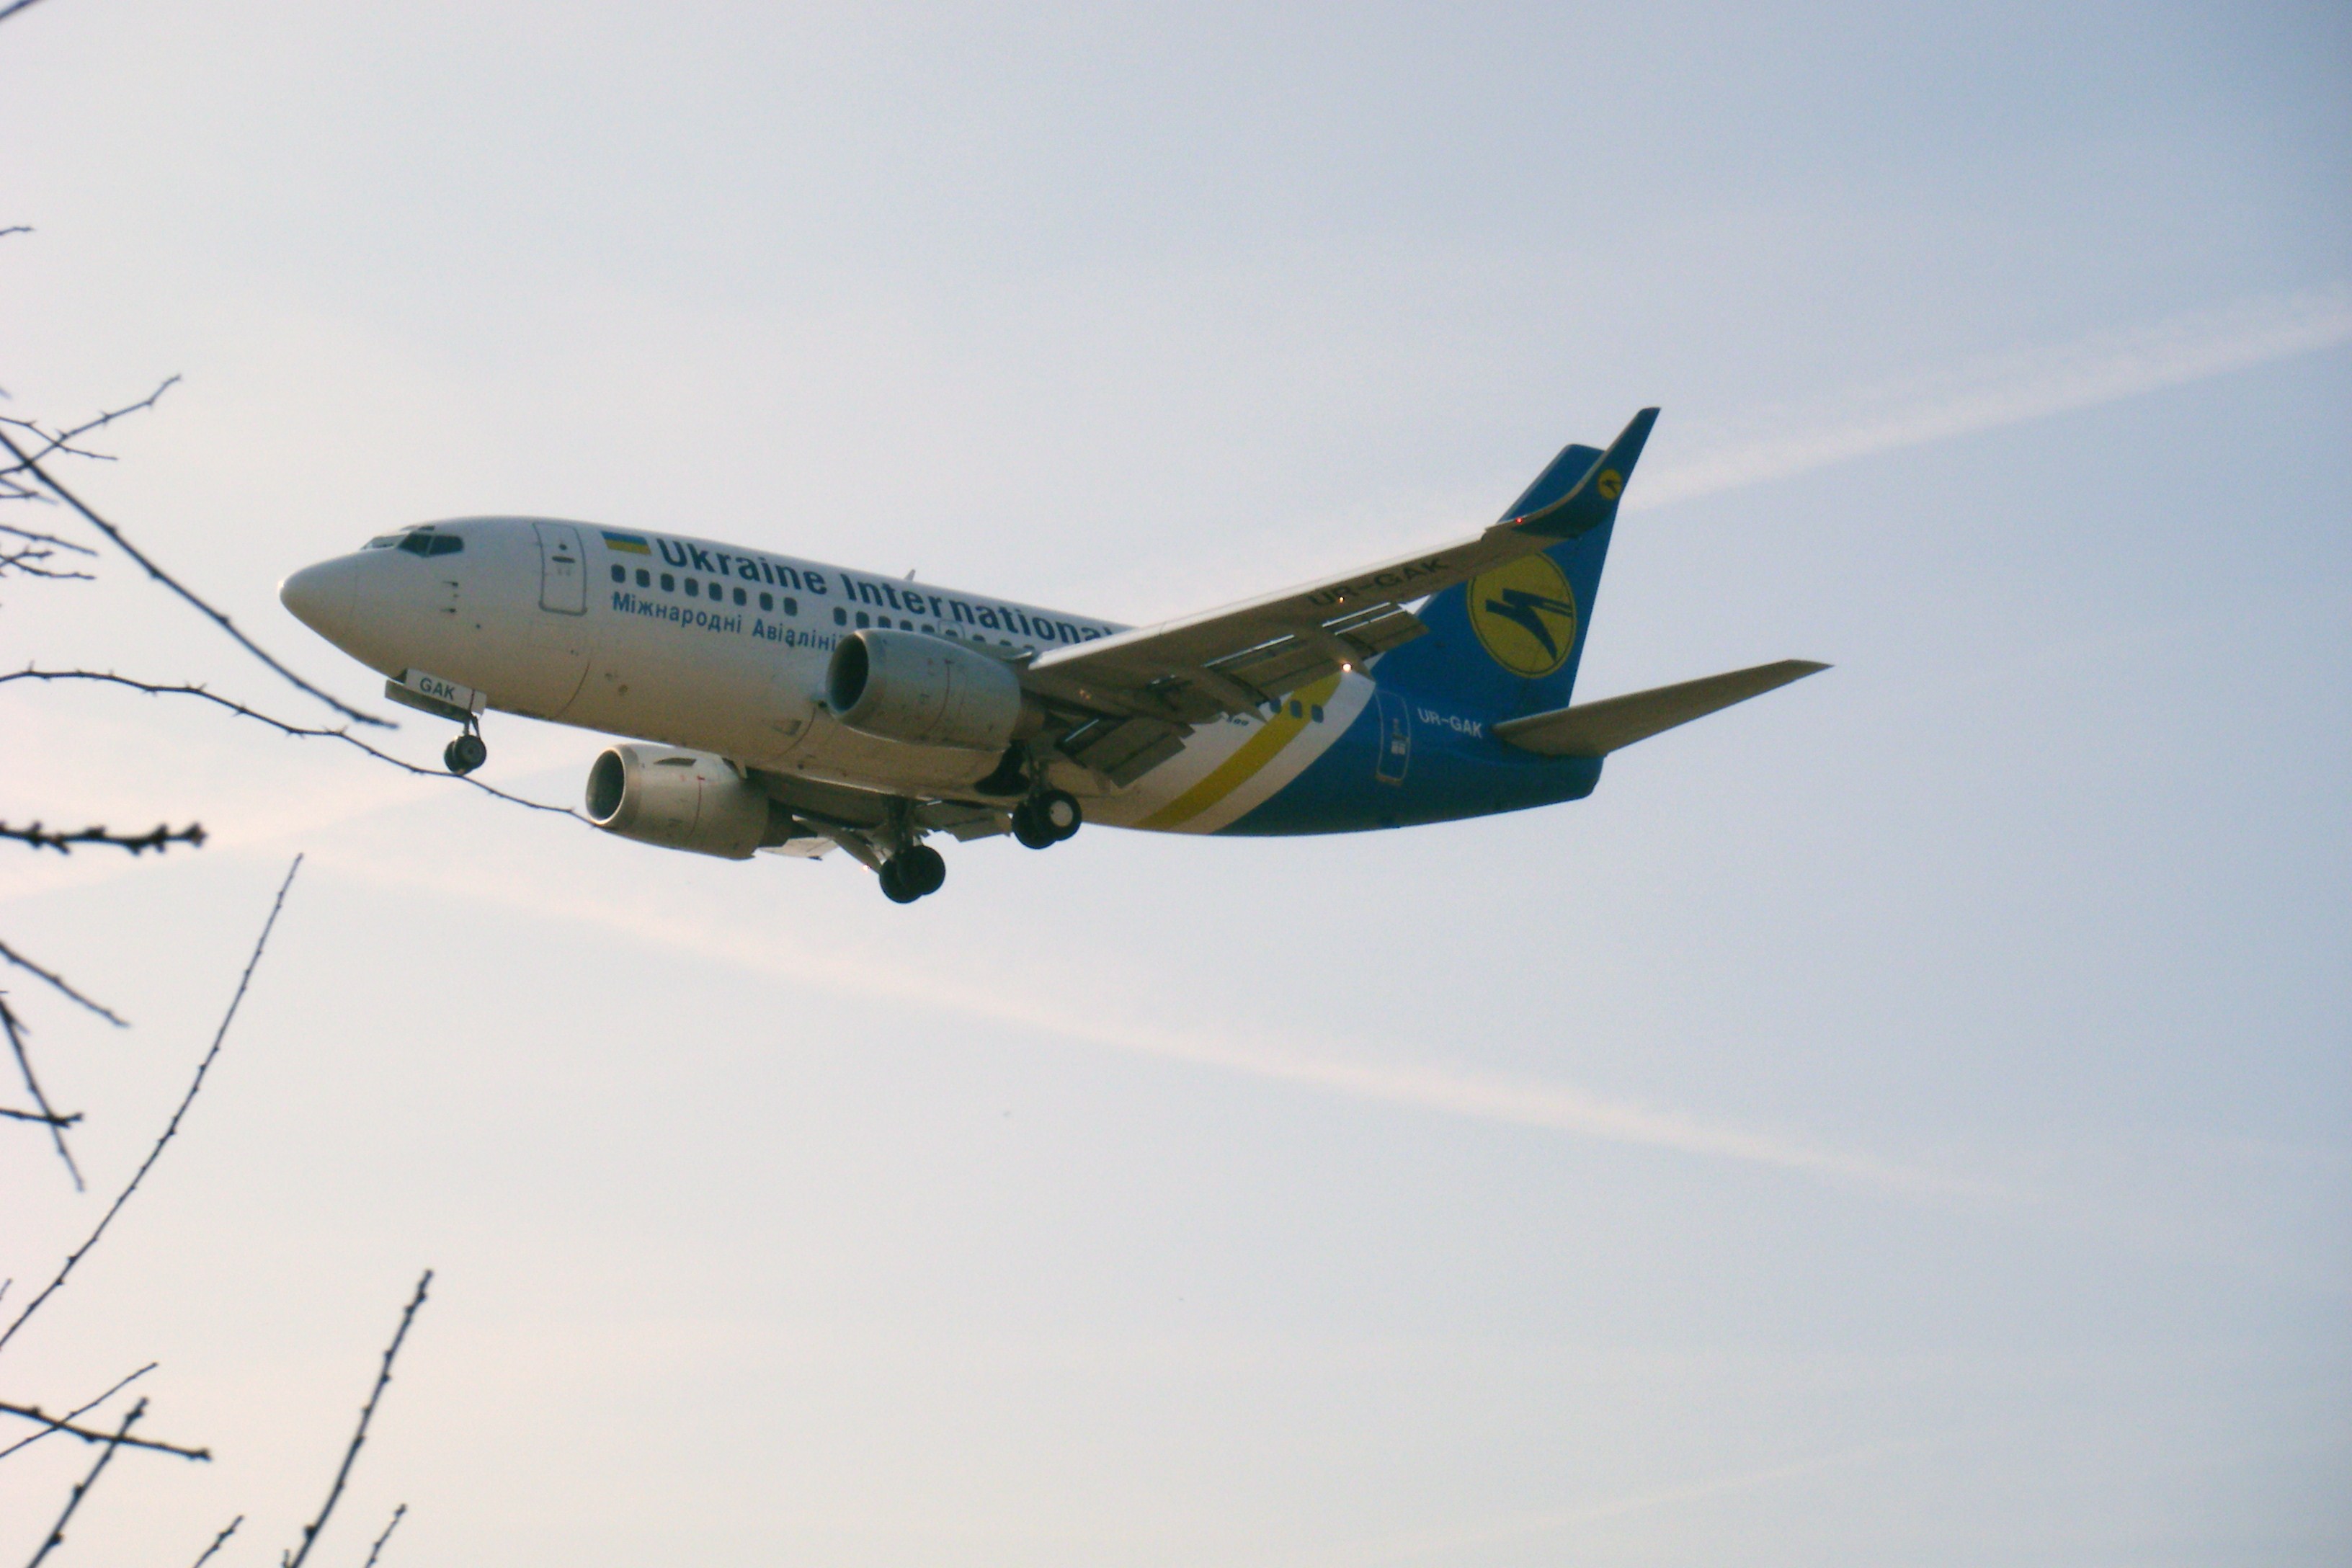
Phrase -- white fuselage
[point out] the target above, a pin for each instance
(720, 649)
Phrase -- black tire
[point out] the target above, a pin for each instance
(464, 755)
(1033, 831)
(1058, 810)
(893, 878)
(923, 869)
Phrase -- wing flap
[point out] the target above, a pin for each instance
(1596, 728)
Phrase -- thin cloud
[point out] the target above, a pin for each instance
(2012, 389)
(844, 969)
(1522, 1526)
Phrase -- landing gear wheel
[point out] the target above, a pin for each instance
(1030, 827)
(1058, 810)
(913, 873)
(893, 878)
(464, 753)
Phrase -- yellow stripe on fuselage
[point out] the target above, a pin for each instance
(1243, 764)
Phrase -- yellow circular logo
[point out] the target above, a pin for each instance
(1524, 615)
(1609, 483)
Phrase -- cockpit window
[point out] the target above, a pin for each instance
(418, 541)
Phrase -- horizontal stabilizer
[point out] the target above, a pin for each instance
(1597, 729)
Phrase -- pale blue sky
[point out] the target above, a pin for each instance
(1901, 1121)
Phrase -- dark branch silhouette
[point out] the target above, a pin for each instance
(57, 1530)
(377, 1550)
(186, 1100)
(282, 727)
(157, 838)
(15, 1029)
(50, 483)
(79, 1411)
(54, 442)
(218, 1542)
(58, 982)
(14, 1114)
(59, 1424)
(23, 550)
(367, 1413)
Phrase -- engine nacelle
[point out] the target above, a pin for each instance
(930, 691)
(682, 800)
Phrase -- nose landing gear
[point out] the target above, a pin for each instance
(466, 752)
(1047, 817)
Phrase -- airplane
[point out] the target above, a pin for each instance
(784, 705)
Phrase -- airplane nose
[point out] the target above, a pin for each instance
(323, 598)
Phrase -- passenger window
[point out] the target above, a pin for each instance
(791, 606)
(863, 619)
(620, 573)
(1295, 710)
(643, 577)
(693, 588)
(1316, 712)
(767, 600)
(738, 595)
(840, 616)
(669, 584)
(930, 631)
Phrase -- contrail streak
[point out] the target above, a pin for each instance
(844, 971)
(2010, 390)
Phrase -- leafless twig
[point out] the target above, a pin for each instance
(157, 838)
(377, 1550)
(186, 1100)
(218, 1542)
(81, 1410)
(57, 982)
(59, 1424)
(50, 483)
(15, 1029)
(367, 1413)
(281, 725)
(14, 1114)
(58, 1531)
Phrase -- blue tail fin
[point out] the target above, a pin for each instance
(1510, 642)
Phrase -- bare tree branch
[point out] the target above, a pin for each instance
(58, 1531)
(59, 1424)
(282, 727)
(186, 1100)
(157, 838)
(218, 1542)
(50, 483)
(14, 1114)
(367, 1413)
(81, 1410)
(377, 1550)
(16, 1030)
(27, 965)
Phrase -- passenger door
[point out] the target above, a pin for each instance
(562, 575)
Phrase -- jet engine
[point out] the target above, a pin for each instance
(682, 800)
(930, 691)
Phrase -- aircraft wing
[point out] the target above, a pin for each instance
(1143, 689)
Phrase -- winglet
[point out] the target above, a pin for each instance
(1593, 500)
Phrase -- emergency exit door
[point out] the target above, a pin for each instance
(1396, 738)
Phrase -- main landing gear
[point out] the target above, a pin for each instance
(1046, 818)
(913, 873)
(466, 752)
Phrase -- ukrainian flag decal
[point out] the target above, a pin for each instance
(627, 543)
